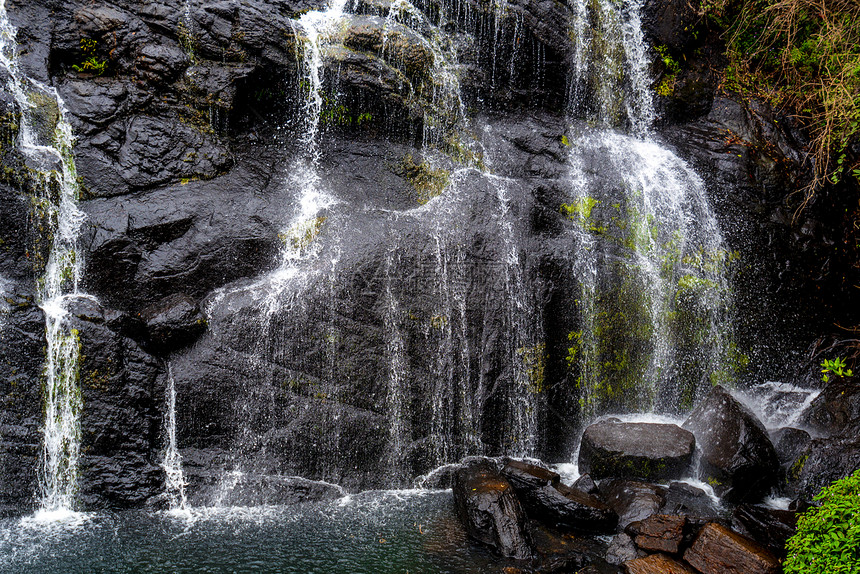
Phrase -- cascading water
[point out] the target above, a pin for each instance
(174, 481)
(45, 138)
(654, 300)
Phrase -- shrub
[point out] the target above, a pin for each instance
(828, 537)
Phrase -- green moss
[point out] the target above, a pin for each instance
(534, 364)
(429, 182)
(300, 235)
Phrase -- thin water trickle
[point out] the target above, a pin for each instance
(174, 480)
(49, 154)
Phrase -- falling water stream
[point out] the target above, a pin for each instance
(45, 138)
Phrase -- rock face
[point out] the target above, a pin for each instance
(718, 550)
(769, 526)
(636, 450)
(738, 458)
(349, 364)
(490, 510)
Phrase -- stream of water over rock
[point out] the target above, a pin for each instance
(45, 138)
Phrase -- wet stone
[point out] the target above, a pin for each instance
(718, 550)
(738, 458)
(490, 510)
(636, 450)
(621, 549)
(769, 526)
(659, 533)
(657, 564)
(633, 500)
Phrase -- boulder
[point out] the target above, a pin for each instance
(657, 564)
(769, 526)
(718, 550)
(738, 458)
(659, 533)
(633, 500)
(490, 510)
(621, 549)
(586, 484)
(683, 498)
(173, 322)
(837, 408)
(822, 462)
(789, 444)
(526, 476)
(636, 450)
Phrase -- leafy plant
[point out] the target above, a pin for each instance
(803, 57)
(835, 366)
(90, 63)
(828, 536)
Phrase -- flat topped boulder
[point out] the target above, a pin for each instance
(648, 451)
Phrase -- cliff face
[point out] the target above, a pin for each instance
(188, 121)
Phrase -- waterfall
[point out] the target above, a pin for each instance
(609, 80)
(654, 301)
(45, 138)
(174, 480)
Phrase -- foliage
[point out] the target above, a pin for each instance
(828, 536)
(802, 56)
(835, 366)
(90, 63)
(666, 87)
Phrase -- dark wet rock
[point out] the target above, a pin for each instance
(657, 564)
(789, 444)
(837, 409)
(821, 463)
(568, 508)
(768, 526)
(636, 450)
(404, 48)
(718, 550)
(256, 490)
(490, 511)
(162, 63)
(586, 484)
(669, 22)
(659, 533)
(526, 476)
(559, 552)
(683, 498)
(738, 458)
(621, 549)
(633, 500)
(556, 504)
(173, 322)
(601, 567)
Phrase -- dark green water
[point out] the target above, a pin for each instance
(374, 533)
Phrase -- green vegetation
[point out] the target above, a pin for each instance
(803, 57)
(836, 367)
(91, 64)
(828, 536)
(666, 87)
(534, 363)
(428, 181)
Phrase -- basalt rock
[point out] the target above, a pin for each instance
(633, 500)
(767, 526)
(636, 450)
(173, 323)
(718, 550)
(621, 549)
(738, 458)
(659, 533)
(837, 409)
(821, 463)
(490, 510)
